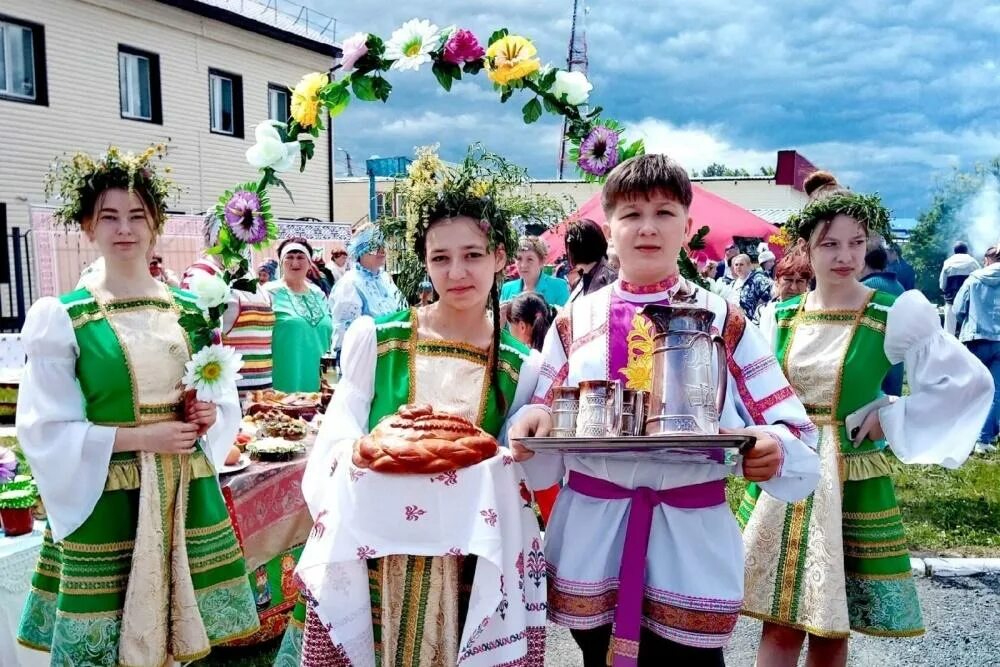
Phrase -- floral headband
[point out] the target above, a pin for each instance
(866, 209)
(79, 181)
(366, 240)
(476, 189)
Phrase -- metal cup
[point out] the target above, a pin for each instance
(565, 406)
(635, 406)
(600, 411)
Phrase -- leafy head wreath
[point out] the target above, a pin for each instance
(867, 209)
(79, 181)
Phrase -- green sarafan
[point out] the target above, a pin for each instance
(865, 208)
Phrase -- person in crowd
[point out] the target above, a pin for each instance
(425, 293)
(837, 562)
(766, 259)
(263, 276)
(665, 589)
(573, 278)
(303, 327)
(530, 259)
(530, 319)
(753, 287)
(338, 255)
(367, 289)
(455, 355)
(320, 275)
(724, 270)
(248, 321)
(139, 553)
(878, 277)
(904, 272)
(793, 274)
(160, 272)
(587, 249)
(955, 270)
(977, 310)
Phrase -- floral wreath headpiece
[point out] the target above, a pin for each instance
(79, 181)
(477, 188)
(865, 208)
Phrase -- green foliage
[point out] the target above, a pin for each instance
(940, 226)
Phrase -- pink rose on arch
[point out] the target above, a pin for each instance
(462, 47)
(355, 48)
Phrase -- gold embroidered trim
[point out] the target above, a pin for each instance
(827, 634)
(871, 516)
(391, 345)
(207, 530)
(107, 547)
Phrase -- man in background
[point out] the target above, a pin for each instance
(954, 273)
(904, 272)
(977, 309)
(877, 276)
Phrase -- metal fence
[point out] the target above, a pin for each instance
(17, 288)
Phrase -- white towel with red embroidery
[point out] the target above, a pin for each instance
(474, 511)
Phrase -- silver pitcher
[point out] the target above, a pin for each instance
(600, 410)
(685, 397)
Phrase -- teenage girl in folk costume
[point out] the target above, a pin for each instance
(418, 570)
(139, 564)
(837, 561)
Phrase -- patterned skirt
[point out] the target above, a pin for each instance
(83, 586)
(836, 561)
(419, 607)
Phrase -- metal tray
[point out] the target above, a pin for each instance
(676, 448)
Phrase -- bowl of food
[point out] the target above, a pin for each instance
(274, 449)
(304, 405)
(276, 424)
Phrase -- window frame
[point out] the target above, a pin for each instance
(237, 88)
(277, 87)
(155, 98)
(41, 87)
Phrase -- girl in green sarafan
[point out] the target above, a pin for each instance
(418, 570)
(838, 561)
(139, 564)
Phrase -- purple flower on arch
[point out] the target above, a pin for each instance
(245, 218)
(599, 151)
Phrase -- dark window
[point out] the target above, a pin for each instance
(139, 84)
(22, 61)
(279, 102)
(225, 102)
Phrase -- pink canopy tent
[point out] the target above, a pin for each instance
(724, 219)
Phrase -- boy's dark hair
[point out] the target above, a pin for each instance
(643, 175)
(585, 242)
(961, 248)
(877, 259)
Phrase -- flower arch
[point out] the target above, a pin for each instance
(511, 64)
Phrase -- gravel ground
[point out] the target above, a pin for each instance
(962, 616)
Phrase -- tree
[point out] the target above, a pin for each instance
(942, 224)
(717, 169)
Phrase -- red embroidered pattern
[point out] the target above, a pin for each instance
(760, 366)
(661, 286)
(586, 610)
(317, 647)
(774, 399)
(589, 336)
(732, 334)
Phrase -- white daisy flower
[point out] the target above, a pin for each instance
(212, 372)
(412, 43)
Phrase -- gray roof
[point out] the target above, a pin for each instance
(776, 216)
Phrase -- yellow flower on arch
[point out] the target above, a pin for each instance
(511, 58)
(305, 99)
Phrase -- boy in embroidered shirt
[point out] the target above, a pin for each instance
(688, 596)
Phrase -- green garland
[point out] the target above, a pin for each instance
(866, 209)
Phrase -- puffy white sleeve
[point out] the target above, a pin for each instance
(345, 310)
(69, 455)
(950, 390)
(346, 418)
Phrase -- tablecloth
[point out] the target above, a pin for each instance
(17, 563)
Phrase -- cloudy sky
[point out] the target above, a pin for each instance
(890, 96)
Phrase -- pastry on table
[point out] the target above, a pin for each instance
(418, 440)
(274, 449)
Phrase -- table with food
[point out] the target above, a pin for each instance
(261, 484)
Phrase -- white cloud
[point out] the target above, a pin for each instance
(697, 147)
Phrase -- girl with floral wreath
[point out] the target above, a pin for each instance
(139, 563)
(837, 561)
(420, 569)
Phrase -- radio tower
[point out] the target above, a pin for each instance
(576, 61)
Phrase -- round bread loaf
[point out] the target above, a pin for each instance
(417, 440)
